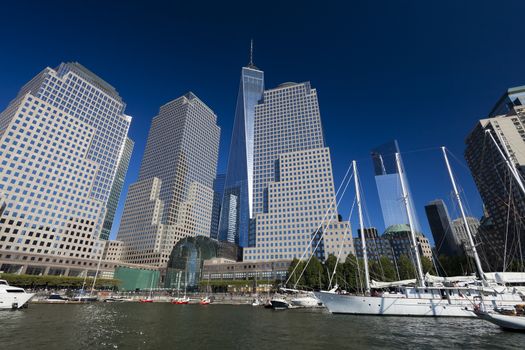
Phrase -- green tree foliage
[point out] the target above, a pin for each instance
(406, 268)
(427, 265)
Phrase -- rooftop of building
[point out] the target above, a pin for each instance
(399, 228)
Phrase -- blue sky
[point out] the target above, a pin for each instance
(420, 71)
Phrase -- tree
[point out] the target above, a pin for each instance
(294, 270)
(314, 275)
(427, 265)
(353, 276)
(406, 268)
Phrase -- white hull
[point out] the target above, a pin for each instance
(14, 300)
(401, 306)
(516, 323)
(307, 301)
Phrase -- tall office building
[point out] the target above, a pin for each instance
(75, 90)
(458, 226)
(376, 246)
(61, 101)
(446, 239)
(173, 196)
(512, 97)
(503, 199)
(388, 182)
(237, 204)
(116, 189)
(218, 193)
(294, 197)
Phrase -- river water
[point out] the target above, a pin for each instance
(166, 326)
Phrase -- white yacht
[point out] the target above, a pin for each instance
(427, 295)
(13, 297)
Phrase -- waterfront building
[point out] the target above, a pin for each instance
(237, 204)
(376, 246)
(294, 197)
(185, 265)
(388, 182)
(218, 194)
(449, 237)
(399, 237)
(173, 196)
(116, 189)
(61, 140)
(223, 269)
(504, 200)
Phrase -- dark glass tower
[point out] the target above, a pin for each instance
(388, 181)
(237, 203)
(445, 239)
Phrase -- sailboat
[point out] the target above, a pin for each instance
(149, 299)
(424, 296)
(184, 300)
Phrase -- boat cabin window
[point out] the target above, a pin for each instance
(14, 290)
(2, 282)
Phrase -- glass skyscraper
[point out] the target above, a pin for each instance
(388, 182)
(237, 204)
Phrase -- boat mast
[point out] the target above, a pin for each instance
(361, 226)
(465, 222)
(507, 159)
(406, 200)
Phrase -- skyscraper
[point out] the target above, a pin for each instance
(501, 193)
(446, 239)
(388, 181)
(218, 193)
(294, 197)
(512, 97)
(116, 189)
(79, 92)
(173, 196)
(74, 133)
(237, 204)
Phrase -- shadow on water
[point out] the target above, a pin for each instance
(166, 326)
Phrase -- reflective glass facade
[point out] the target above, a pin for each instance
(237, 206)
(388, 181)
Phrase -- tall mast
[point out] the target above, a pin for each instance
(510, 164)
(467, 228)
(361, 226)
(406, 200)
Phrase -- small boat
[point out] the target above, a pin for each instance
(83, 298)
(13, 297)
(181, 301)
(279, 303)
(115, 300)
(513, 319)
(146, 300)
(256, 302)
(305, 301)
(55, 298)
(205, 301)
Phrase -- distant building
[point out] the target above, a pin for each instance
(262, 271)
(388, 181)
(447, 239)
(294, 196)
(503, 199)
(401, 242)
(376, 246)
(237, 203)
(218, 193)
(461, 232)
(173, 196)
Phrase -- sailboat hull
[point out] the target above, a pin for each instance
(399, 306)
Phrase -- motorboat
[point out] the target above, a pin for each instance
(279, 303)
(305, 301)
(84, 298)
(13, 297)
(55, 298)
(146, 300)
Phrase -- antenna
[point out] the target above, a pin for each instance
(250, 64)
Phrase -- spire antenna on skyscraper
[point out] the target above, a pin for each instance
(250, 64)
